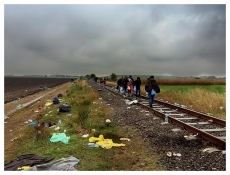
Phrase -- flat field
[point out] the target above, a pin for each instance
(18, 87)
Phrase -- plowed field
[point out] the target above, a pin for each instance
(19, 87)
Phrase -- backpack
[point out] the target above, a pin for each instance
(64, 108)
(55, 100)
(157, 88)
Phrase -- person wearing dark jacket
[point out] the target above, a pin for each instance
(124, 83)
(151, 84)
(119, 84)
(137, 84)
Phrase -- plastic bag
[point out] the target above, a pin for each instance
(153, 92)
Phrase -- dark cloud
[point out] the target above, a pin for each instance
(124, 39)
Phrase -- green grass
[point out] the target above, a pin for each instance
(184, 88)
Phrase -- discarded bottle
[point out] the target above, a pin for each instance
(59, 123)
(166, 118)
(92, 145)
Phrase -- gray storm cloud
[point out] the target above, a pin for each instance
(181, 40)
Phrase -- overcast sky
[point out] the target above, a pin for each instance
(180, 40)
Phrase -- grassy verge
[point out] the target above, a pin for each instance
(87, 116)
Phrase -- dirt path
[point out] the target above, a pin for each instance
(16, 118)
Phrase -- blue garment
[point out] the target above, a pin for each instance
(138, 91)
(151, 99)
(124, 89)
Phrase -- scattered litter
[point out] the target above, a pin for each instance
(108, 104)
(93, 145)
(26, 122)
(94, 102)
(125, 139)
(210, 150)
(60, 137)
(99, 89)
(176, 129)
(85, 135)
(224, 152)
(147, 114)
(30, 120)
(128, 107)
(108, 121)
(57, 128)
(68, 114)
(10, 130)
(169, 154)
(93, 130)
(100, 98)
(146, 111)
(131, 102)
(104, 143)
(19, 106)
(32, 123)
(190, 137)
(36, 111)
(178, 154)
(48, 103)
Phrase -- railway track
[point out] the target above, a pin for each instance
(202, 125)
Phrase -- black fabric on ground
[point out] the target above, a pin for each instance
(25, 160)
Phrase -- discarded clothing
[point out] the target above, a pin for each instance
(104, 143)
(60, 137)
(63, 164)
(25, 160)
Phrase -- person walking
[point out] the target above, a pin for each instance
(130, 85)
(124, 83)
(151, 84)
(137, 85)
(119, 84)
(104, 82)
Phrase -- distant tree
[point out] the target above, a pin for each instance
(113, 77)
(92, 76)
(87, 76)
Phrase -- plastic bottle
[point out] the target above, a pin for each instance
(166, 118)
(59, 122)
(92, 145)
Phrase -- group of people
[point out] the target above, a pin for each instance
(127, 85)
